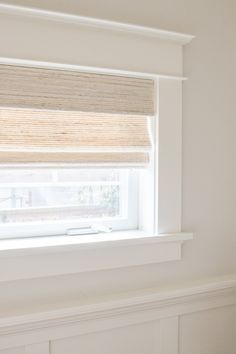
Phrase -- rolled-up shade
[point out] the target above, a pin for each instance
(59, 116)
(61, 136)
(53, 89)
(114, 159)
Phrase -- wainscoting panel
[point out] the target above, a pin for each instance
(209, 332)
(38, 348)
(137, 339)
(19, 350)
(169, 335)
(196, 320)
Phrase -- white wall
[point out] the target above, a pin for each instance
(208, 332)
(209, 189)
(209, 149)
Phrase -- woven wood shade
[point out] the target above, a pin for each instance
(65, 116)
(54, 89)
(39, 136)
(114, 159)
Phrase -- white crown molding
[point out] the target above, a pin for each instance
(116, 313)
(181, 38)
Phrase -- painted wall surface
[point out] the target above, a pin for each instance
(208, 331)
(209, 155)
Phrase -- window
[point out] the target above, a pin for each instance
(72, 165)
(68, 88)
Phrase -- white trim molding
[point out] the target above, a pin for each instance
(39, 245)
(49, 256)
(118, 46)
(165, 306)
(90, 69)
(177, 37)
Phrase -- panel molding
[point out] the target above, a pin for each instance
(169, 335)
(38, 348)
(132, 310)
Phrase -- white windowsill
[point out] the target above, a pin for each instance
(71, 243)
(50, 256)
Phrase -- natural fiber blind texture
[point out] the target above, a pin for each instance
(54, 89)
(40, 136)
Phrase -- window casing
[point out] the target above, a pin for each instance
(159, 57)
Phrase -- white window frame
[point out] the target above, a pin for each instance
(146, 52)
(129, 221)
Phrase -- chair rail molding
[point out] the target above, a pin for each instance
(125, 311)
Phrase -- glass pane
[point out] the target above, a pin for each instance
(47, 195)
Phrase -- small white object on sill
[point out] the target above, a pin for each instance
(93, 229)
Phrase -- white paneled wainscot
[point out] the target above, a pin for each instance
(200, 319)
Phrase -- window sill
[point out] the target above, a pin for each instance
(48, 256)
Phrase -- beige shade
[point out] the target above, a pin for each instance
(40, 136)
(89, 158)
(67, 90)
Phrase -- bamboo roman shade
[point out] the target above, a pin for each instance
(60, 116)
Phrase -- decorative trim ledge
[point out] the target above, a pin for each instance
(37, 245)
(126, 311)
(181, 38)
(50, 256)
